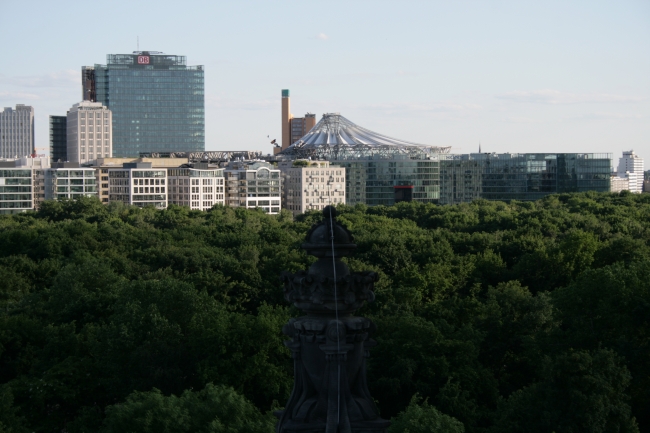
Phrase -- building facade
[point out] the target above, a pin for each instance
(102, 165)
(89, 132)
(200, 187)
(138, 184)
(157, 101)
(301, 126)
(311, 185)
(521, 176)
(67, 180)
(16, 188)
(17, 131)
(58, 139)
(253, 184)
(22, 184)
(630, 168)
(382, 179)
(460, 178)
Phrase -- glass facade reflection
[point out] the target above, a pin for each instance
(16, 190)
(156, 99)
(69, 183)
(58, 139)
(376, 180)
(521, 176)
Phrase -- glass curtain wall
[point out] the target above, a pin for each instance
(372, 181)
(58, 138)
(529, 176)
(157, 107)
(70, 183)
(15, 190)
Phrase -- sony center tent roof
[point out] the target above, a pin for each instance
(335, 137)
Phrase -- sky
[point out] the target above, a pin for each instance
(514, 76)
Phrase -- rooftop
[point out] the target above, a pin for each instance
(335, 137)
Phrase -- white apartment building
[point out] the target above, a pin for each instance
(253, 184)
(17, 131)
(16, 188)
(21, 184)
(67, 180)
(89, 132)
(103, 164)
(311, 185)
(139, 184)
(200, 187)
(629, 175)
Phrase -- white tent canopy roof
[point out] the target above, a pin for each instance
(334, 131)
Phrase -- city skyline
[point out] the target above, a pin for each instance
(515, 77)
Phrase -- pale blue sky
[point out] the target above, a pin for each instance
(518, 76)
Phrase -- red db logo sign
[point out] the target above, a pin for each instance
(143, 60)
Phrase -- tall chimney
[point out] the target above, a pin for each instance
(286, 119)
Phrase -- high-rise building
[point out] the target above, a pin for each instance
(630, 167)
(58, 139)
(157, 101)
(17, 131)
(89, 132)
(293, 128)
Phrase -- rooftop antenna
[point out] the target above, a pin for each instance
(479, 147)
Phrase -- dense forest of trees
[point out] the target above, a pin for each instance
(491, 317)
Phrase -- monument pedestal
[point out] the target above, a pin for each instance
(329, 344)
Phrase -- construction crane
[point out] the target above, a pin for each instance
(34, 154)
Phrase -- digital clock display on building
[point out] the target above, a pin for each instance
(143, 60)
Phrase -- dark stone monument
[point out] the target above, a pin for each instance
(329, 344)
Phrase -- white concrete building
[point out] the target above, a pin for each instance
(630, 167)
(17, 131)
(103, 164)
(89, 132)
(253, 184)
(200, 187)
(138, 184)
(619, 184)
(312, 186)
(67, 180)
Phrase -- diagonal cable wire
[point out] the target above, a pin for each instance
(336, 310)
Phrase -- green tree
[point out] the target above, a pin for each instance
(579, 392)
(420, 417)
(215, 409)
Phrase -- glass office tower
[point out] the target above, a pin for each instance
(157, 102)
(58, 139)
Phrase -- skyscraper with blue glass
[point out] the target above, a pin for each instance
(157, 101)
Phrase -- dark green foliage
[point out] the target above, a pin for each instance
(423, 418)
(215, 409)
(9, 421)
(502, 317)
(578, 392)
